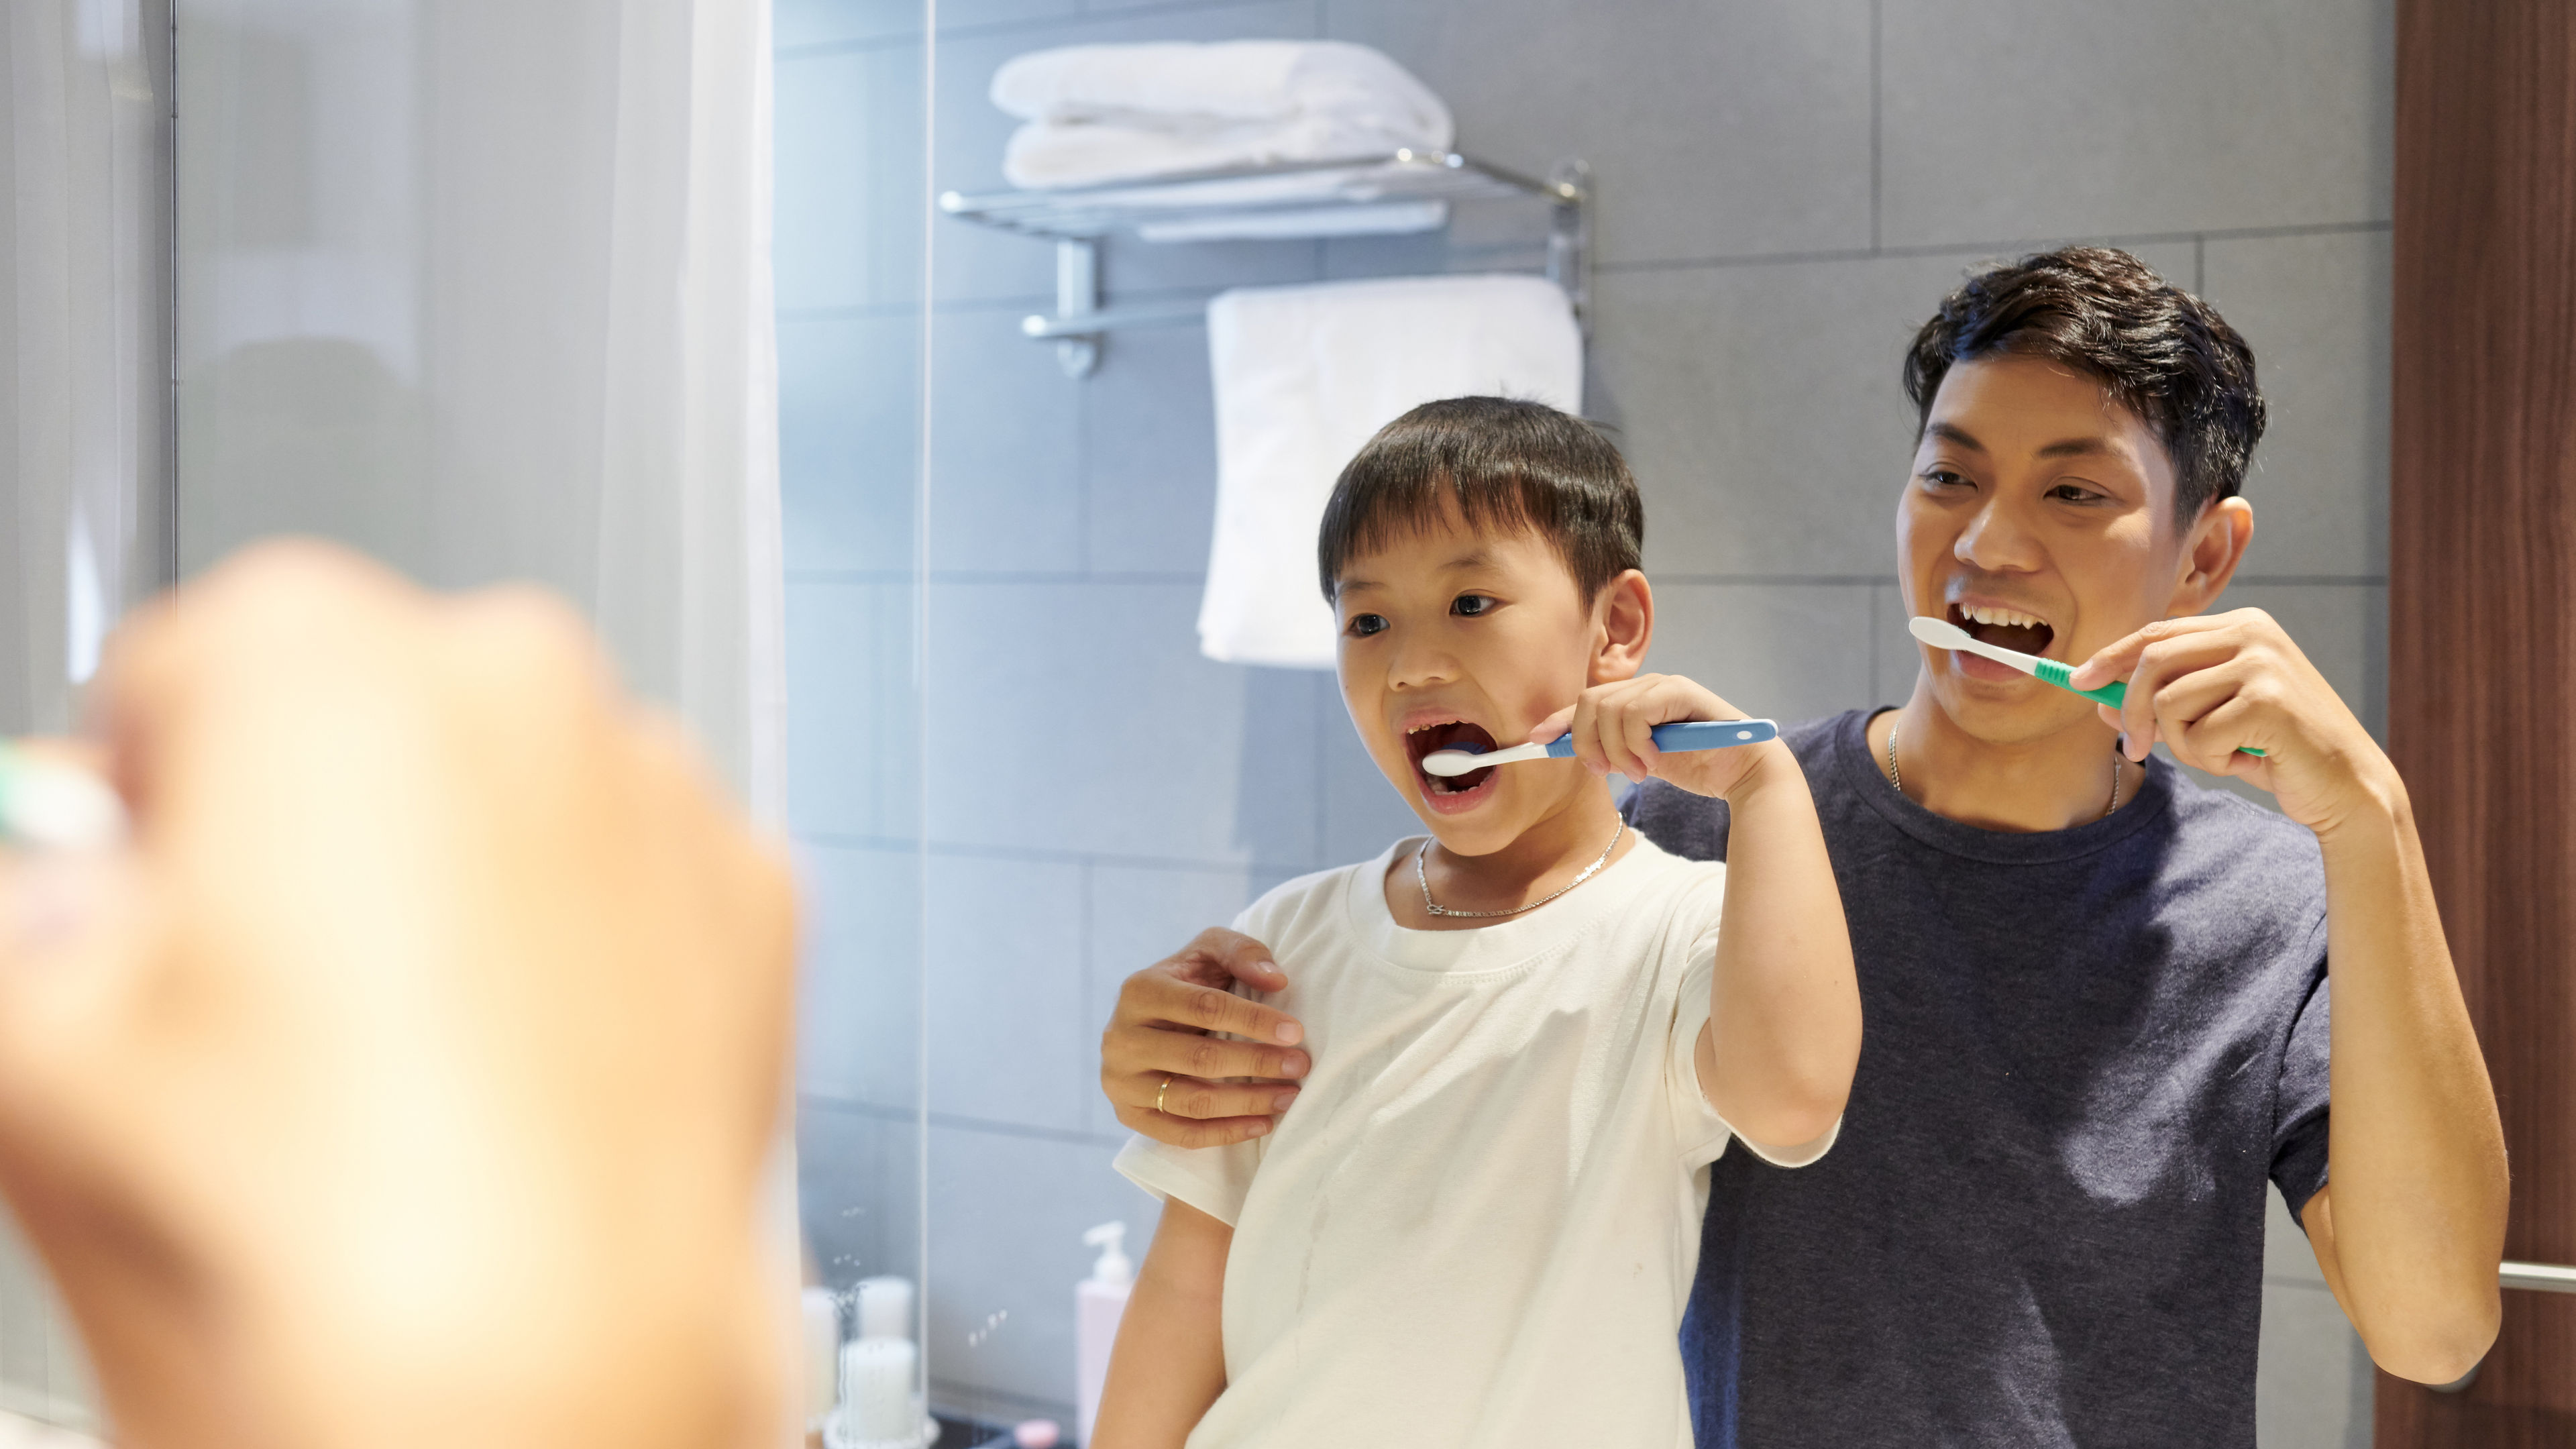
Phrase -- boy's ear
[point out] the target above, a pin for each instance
(2211, 552)
(1623, 624)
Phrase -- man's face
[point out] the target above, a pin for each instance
(2040, 517)
(1453, 637)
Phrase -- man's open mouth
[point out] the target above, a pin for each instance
(2004, 628)
(1456, 734)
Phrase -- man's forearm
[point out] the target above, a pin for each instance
(2415, 1151)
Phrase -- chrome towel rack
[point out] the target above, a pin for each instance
(1076, 218)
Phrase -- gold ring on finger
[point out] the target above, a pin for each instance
(1158, 1094)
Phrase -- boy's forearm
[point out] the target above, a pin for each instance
(1784, 1008)
(1169, 1361)
(2415, 1152)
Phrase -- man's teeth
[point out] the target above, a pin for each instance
(2006, 618)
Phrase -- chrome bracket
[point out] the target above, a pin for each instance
(1569, 237)
(1077, 295)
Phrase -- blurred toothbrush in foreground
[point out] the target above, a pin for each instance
(48, 805)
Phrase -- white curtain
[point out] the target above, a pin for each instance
(482, 287)
(83, 372)
(478, 286)
(83, 392)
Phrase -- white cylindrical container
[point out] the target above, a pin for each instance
(885, 1307)
(822, 1316)
(876, 1391)
(1098, 1303)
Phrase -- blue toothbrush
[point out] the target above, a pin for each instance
(1692, 734)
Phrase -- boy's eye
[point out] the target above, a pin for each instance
(1363, 625)
(1471, 605)
(1943, 478)
(2074, 494)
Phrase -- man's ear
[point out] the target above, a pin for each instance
(2215, 547)
(1623, 624)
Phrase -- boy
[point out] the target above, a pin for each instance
(1530, 1034)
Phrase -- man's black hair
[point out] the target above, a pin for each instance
(1506, 464)
(2163, 353)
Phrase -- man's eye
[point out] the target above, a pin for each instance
(1943, 478)
(1471, 605)
(1363, 625)
(2073, 494)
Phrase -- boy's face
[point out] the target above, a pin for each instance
(1453, 637)
(2040, 517)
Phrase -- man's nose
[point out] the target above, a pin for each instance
(1997, 540)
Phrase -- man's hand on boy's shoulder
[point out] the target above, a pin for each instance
(1612, 726)
(1167, 1070)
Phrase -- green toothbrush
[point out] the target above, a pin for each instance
(1942, 634)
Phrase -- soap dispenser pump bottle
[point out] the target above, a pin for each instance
(1098, 1302)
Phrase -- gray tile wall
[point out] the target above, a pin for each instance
(1786, 188)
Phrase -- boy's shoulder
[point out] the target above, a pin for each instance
(1307, 903)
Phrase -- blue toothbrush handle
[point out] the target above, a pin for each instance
(1692, 734)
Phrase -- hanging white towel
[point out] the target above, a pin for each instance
(1101, 113)
(1304, 376)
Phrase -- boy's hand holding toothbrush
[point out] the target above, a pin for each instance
(1612, 730)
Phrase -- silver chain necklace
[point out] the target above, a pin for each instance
(1898, 780)
(1435, 908)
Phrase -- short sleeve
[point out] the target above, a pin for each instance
(1214, 1180)
(1703, 1133)
(2299, 1110)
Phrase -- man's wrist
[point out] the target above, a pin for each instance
(2373, 808)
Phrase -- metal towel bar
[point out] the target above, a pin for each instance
(1076, 218)
(2539, 1277)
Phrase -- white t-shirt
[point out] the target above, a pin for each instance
(1478, 1224)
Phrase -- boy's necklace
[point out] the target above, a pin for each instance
(1898, 780)
(1437, 909)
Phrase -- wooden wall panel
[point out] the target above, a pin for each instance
(2482, 623)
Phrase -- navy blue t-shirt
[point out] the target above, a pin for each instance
(2083, 1052)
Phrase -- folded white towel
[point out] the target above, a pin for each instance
(1234, 80)
(1101, 113)
(1304, 375)
(1043, 155)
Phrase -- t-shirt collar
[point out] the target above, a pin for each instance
(1866, 776)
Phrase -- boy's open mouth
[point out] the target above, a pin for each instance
(1456, 734)
(2004, 628)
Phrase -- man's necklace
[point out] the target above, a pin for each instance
(1898, 780)
(1437, 909)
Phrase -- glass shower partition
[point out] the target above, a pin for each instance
(853, 263)
(1014, 777)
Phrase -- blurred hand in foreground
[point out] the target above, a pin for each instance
(409, 1079)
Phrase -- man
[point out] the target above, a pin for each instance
(2096, 996)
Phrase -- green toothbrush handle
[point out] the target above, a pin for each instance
(2113, 694)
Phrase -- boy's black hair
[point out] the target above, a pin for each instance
(1506, 464)
(2163, 353)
